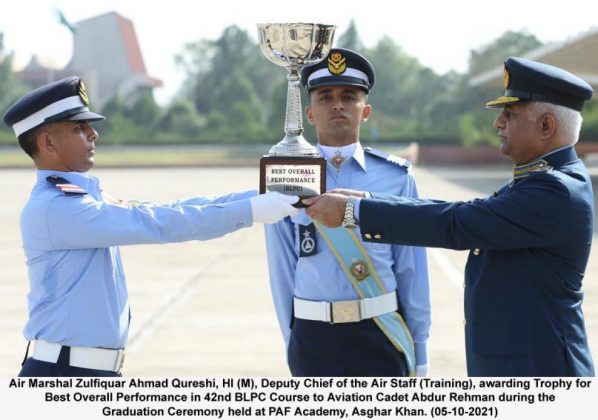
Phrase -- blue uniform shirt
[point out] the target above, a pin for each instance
(78, 295)
(530, 244)
(320, 278)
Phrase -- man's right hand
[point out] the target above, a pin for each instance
(272, 206)
(328, 209)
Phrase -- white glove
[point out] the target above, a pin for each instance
(272, 206)
(421, 371)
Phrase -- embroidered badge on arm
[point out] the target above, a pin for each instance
(308, 245)
(64, 186)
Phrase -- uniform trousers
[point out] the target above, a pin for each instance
(34, 367)
(350, 349)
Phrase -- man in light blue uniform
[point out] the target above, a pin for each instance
(310, 286)
(78, 302)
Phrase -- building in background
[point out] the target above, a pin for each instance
(576, 55)
(106, 55)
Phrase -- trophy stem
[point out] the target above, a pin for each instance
(293, 124)
(293, 143)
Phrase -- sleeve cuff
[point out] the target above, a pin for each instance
(240, 214)
(421, 353)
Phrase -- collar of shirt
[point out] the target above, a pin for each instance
(560, 156)
(545, 162)
(354, 151)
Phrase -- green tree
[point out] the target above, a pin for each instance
(492, 55)
(405, 93)
(10, 89)
(196, 61)
(350, 38)
(234, 89)
(181, 117)
(130, 123)
(589, 128)
(228, 77)
(476, 123)
(239, 96)
(115, 105)
(276, 116)
(144, 109)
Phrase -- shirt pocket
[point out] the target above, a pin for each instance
(376, 246)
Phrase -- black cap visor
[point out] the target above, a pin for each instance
(75, 114)
(338, 81)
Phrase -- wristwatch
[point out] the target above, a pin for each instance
(349, 221)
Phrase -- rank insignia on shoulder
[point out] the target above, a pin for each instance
(522, 171)
(64, 186)
(389, 157)
(307, 240)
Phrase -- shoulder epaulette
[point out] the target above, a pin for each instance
(64, 186)
(389, 157)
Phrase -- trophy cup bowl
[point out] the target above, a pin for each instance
(295, 44)
(293, 166)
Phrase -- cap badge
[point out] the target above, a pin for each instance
(83, 93)
(506, 77)
(337, 64)
(359, 270)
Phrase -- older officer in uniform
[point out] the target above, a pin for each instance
(348, 308)
(529, 242)
(78, 303)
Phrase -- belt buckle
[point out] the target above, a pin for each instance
(345, 311)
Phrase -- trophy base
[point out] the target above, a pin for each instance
(304, 176)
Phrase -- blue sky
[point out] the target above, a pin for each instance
(439, 33)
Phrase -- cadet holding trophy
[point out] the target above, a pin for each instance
(345, 308)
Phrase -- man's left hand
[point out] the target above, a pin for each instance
(328, 209)
(272, 206)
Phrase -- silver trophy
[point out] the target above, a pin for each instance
(293, 166)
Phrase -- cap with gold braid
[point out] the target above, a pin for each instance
(526, 80)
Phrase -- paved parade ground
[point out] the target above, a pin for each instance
(204, 308)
